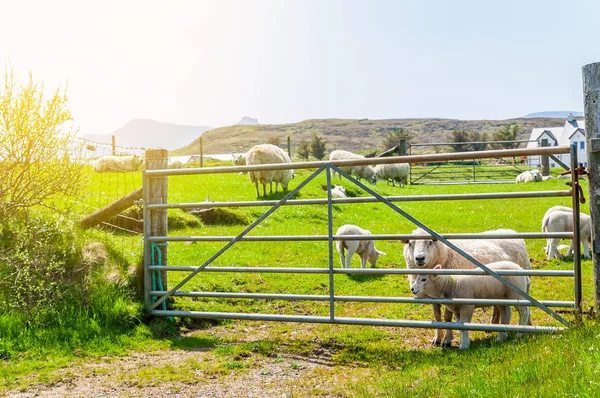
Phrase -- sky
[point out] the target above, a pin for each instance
(209, 63)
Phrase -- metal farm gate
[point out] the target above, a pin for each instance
(155, 237)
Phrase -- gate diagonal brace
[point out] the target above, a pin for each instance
(452, 246)
(240, 236)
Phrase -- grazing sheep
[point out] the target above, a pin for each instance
(474, 287)
(530, 176)
(268, 154)
(364, 248)
(118, 163)
(546, 178)
(427, 253)
(175, 165)
(338, 191)
(560, 219)
(394, 172)
(239, 160)
(366, 172)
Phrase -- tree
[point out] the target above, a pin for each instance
(458, 137)
(274, 141)
(476, 136)
(318, 146)
(394, 136)
(303, 149)
(36, 147)
(508, 133)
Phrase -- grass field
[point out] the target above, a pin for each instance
(363, 361)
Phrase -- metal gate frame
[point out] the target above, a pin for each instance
(329, 167)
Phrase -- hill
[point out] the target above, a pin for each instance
(247, 121)
(352, 134)
(152, 134)
(553, 114)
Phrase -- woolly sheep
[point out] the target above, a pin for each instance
(366, 172)
(530, 176)
(560, 219)
(474, 287)
(394, 172)
(338, 191)
(427, 253)
(268, 154)
(364, 248)
(118, 163)
(175, 164)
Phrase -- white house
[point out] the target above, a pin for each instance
(573, 132)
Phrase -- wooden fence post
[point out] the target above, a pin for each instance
(201, 153)
(289, 142)
(591, 96)
(114, 144)
(158, 159)
(402, 147)
(545, 160)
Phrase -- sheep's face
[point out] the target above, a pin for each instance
(420, 252)
(374, 255)
(340, 188)
(239, 160)
(421, 285)
(137, 161)
(372, 179)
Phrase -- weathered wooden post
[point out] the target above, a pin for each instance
(201, 153)
(591, 96)
(156, 221)
(545, 160)
(403, 147)
(114, 144)
(289, 140)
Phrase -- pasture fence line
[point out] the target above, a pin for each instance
(154, 179)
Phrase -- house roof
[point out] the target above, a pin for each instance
(561, 135)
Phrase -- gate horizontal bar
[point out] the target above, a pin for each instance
(370, 199)
(363, 271)
(361, 321)
(363, 299)
(440, 157)
(324, 238)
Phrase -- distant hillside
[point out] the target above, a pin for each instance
(152, 134)
(351, 134)
(553, 114)
(247, 121)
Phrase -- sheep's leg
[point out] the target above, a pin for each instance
(270, 187)
(349, 254)
(505, 314)
(264, 189)
(552, 250)
(524, 317)
(586, 249)
(466, 314)
(437, 315)
(495, 315)
(449, 335)
(342, 258)
(277, 187)
(257, 192)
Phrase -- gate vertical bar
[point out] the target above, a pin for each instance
(147, 283)
(591, 97)
(576, 231)
(330, 233)
(546, 159)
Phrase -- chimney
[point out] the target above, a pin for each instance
(570, 118)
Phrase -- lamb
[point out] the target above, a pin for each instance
(175, 165)
(268, 154)
(394, 172)
(338, 191)
(475, 287)
(118, 163)
(560, 219)
(364, 248)
(530, 176)
(366, 172)
(425, 254)
(239, 160)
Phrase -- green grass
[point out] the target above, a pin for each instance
(387, 361)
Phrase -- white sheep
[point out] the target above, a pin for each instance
(239, 160)
(175, 165)
(338, 191)
(394, 172)
(366, 172)
(268, 154)
(364, 248)
(530, 176)
(118, 163)
(474, 287)
(427, 253)
(560, 219)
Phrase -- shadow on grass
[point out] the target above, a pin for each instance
(364, 278)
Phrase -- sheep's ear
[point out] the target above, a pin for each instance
(405, 241)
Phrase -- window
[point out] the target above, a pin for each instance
(582, 145)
